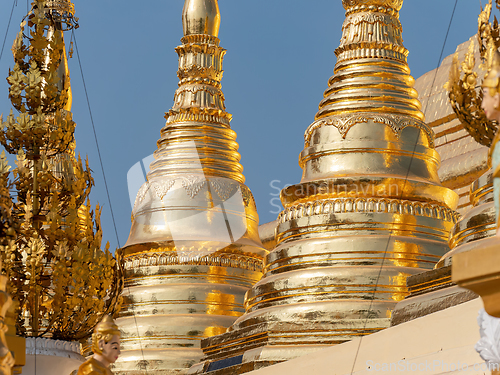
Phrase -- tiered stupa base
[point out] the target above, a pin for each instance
(434, 290)
(170, 307)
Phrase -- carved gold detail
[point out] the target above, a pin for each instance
(62, 11)
(202, 72)
(224, 189)
(161, 188)
(204, 115)
(174, 256)
(247, 196)
(463, 93)
(371, 35)
(7, 360)
(372, 4)
(345, 205)
(345, 123)
(381, 82)
(193, 184)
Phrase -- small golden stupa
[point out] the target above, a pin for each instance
(369, 211)
(194, 248)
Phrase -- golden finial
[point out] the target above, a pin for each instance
(201, 17)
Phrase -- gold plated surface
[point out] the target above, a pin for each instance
(368, 212)
(201, 17)
(478, 223)
(194, 247)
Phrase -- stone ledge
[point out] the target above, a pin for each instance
(479, 270)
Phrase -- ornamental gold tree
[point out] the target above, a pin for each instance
(463, 87)
(62, 281)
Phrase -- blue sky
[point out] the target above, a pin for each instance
(280, 56)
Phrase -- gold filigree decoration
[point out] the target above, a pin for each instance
(62, 11)
(395, 4)
(382, 29)
(61, 280)
(344, 123)
(211, 115)
(193, 184)
(141, 194)
(163, 186)
(374, 205)
(201, 72)
(171, 257)
(464, 92)
(247, 196)
(225, 189)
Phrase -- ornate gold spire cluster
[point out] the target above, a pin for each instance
(368, 212)
(199, 100)
(61, 280)
(193, 249)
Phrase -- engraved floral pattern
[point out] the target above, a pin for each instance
(162, 187)
(193, 184)
(344, 123)
(224, 188)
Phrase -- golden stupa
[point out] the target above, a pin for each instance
(369, 211)
(194, 248)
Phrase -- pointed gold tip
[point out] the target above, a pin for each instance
(201, 17)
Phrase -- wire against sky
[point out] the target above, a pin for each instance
(73, 37)
(14, 3)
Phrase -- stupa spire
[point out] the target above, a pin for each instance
(377, 87)
(187, 145)
(193, 249)
(368, 212)
(201, 17)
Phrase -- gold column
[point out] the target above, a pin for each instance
(193, 249)
(368, 212)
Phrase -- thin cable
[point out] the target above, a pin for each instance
(402, 192)
(95, 137)
(73, 37)
(8, 25)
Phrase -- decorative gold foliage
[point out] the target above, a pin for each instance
(36, 91)
(62, 281)
(464, 92)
